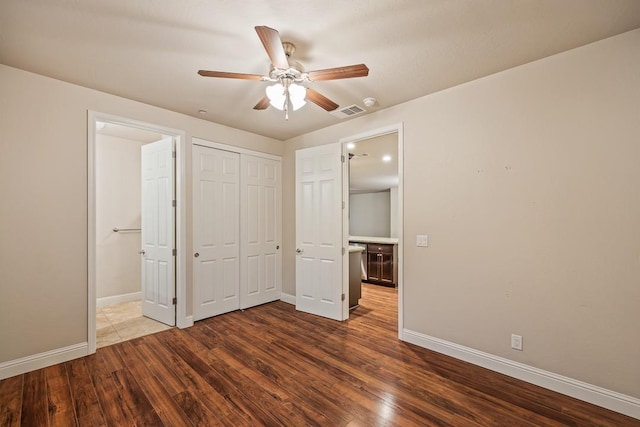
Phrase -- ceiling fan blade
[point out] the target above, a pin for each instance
(347, 72)
(270, 39)
(321, 100)
(224, 74)
(263, 104)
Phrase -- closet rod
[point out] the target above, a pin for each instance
(116, 229)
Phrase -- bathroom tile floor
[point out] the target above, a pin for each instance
(122, 322)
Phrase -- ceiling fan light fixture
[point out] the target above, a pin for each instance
(297, 94)
(276, 96)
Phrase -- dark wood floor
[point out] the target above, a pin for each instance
(271, 365)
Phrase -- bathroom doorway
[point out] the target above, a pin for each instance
(132, 170)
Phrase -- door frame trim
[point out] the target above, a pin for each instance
(399, 129)
(232, 148)
(182, 320)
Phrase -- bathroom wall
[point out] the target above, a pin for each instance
(117, 205)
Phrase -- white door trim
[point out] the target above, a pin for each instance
(182, 320)
(234, 149)
(396, 128)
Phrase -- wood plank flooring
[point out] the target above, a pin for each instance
(271, 365)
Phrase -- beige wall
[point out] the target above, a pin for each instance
(43, 214)
(118, 263)
(527, 184)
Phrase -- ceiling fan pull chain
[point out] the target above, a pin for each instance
(287, 101)
(286, 107)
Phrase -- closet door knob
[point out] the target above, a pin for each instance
(196, 255)
(142, 252)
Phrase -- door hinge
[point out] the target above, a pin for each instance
(343, 297)
(342, 158)
(173, 154)
(175, 300)
(343, 205)
(174, 252)
(173, 203)
(344, 251)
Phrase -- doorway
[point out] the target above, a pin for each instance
(131, 167)
(373, 217)
(322, 226)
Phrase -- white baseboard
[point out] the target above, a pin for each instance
(599, 396)
(42, 360)
(289, 299)
(117, 299)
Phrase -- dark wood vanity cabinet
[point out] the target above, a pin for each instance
(380, 267)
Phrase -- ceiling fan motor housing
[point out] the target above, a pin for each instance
(295, 72)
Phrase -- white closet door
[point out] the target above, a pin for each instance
(216, 231)
(260, 231)
(158, 225)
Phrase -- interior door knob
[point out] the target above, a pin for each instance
(299, 251)
(196, 255)
(142, 252)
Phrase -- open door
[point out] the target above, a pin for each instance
(158, 235)
(319, 248)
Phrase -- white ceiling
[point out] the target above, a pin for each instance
(150, 50)
(367, 169)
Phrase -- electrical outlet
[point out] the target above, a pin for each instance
(516, 342)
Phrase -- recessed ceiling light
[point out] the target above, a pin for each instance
(386, 158)
(351, 146)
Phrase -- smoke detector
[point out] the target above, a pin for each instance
(369, 102)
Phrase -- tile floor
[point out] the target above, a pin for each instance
(122, 322)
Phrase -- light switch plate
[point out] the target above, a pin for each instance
(422, 240)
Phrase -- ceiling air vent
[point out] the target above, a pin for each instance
(350, 111)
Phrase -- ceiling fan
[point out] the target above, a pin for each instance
(287, 74)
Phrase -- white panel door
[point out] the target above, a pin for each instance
(216, 232)
(158, 231)
(260, 231)
(319, 285)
